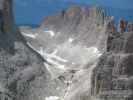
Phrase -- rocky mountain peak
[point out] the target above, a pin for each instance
(7, 19)
(77, 54)
(73, 11)
(76, 14)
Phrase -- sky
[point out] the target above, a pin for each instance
(123, 4)
(32, 12)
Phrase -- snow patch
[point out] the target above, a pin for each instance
(55, 52)
(58, 65)
(50, 58)
(52, 98)
(52, 33)
(59, 58)
(94, 50)
(30, 35)
(70, 40)
(56, 69)
(52, 55)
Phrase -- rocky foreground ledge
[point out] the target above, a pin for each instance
(23, 75)
(77, 54)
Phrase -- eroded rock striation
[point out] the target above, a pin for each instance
(113, 76)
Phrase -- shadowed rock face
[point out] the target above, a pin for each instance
(23, 75)
(8, 27)
(113, 76)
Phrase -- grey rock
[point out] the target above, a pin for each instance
(122, 26)
(110, 79)
(113, 75)
(79, 23)
(23, 75)
(130, 27)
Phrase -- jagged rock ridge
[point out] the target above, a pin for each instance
(113, 75)
(85, 25)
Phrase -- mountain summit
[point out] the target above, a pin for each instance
(89, 50)
(76, 54)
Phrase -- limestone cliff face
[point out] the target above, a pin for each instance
(85, 25)
(113, 76)
(22, 71)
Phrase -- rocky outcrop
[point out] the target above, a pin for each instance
(113, 77)
(23, 75)
(130, 27)
(85, 24)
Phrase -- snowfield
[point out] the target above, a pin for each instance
(52, 98)
(70, 40)
(30, 35)
(52, 33)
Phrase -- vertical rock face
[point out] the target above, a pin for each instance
(113, 76)
(85, 25)
(130, 27)
(8, 31)
(8, 19)
(23, 75)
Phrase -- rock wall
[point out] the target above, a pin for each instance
(23, 75)
(85, 25)
(113, 76)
